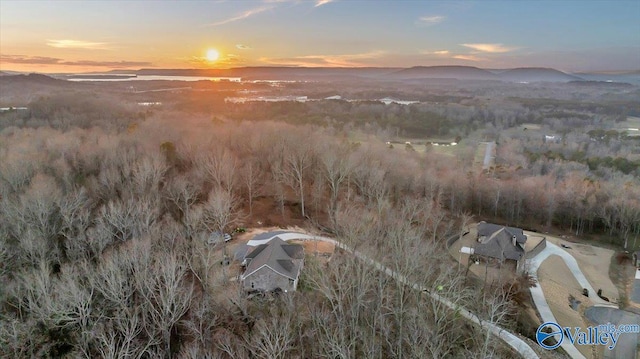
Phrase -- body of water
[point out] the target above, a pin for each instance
(157, 78)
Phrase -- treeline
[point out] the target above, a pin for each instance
(72, 109)
(103, 228)
(103, 247)
(620, 164)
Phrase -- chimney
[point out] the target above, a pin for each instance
(513, 240)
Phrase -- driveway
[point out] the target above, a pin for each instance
(635, 290)
(627, 342)
(511, 339)
(540, 300)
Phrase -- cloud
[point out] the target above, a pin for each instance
(431, 20)
(322, 2)
(346, 60)
(34, 60)
(77, 44)
(437, 52)
(242, 47)
(243, 15)
(117, 64)
(491, 48)
(469, 58)
(41, 60)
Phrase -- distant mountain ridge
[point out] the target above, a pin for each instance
(416, 73)
(536, 74)
(272, 73)
(444, 72)
(526, 74)
(31, 78)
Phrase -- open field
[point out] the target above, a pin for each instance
(558, 284)
(594, 262)
(530, 127)
(631, 122)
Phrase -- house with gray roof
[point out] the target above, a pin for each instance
(501, 243)
(273, 265)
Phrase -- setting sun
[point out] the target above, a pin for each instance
(212, 54)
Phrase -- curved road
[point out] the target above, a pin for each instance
(541, 302)
(511, 339)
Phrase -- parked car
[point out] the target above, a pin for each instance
(217, 237)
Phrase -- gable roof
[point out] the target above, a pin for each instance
(498, 241)
(489, 229)
(501, 247)
(281, 257)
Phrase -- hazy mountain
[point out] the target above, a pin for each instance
(536, 74)
(416, 73)
(273, 73)
(9, 73)
(632, 77)
(30, 78)
(444, 72)
(17, 90)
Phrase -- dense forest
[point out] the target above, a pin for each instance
(104, 206)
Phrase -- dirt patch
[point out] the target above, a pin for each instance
(267, 211)
(594, 263)
(311, 247)
(558, 283)
(316, 247)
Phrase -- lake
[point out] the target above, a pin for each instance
(154, 78)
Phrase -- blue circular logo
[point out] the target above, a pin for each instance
(549, 330)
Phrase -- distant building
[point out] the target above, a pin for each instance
(552, 138)
(12, 109)
(272, 266)
(389, 100)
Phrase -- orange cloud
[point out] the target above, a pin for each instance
(41, 60)
(469, 58)
(347, 60)
(77, 44)
(491, 48)
(437, 52)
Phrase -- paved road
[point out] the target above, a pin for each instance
(541, 302)
(511, 339)
(488, 156)
(627, 342)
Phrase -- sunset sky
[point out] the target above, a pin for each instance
(74, 36)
